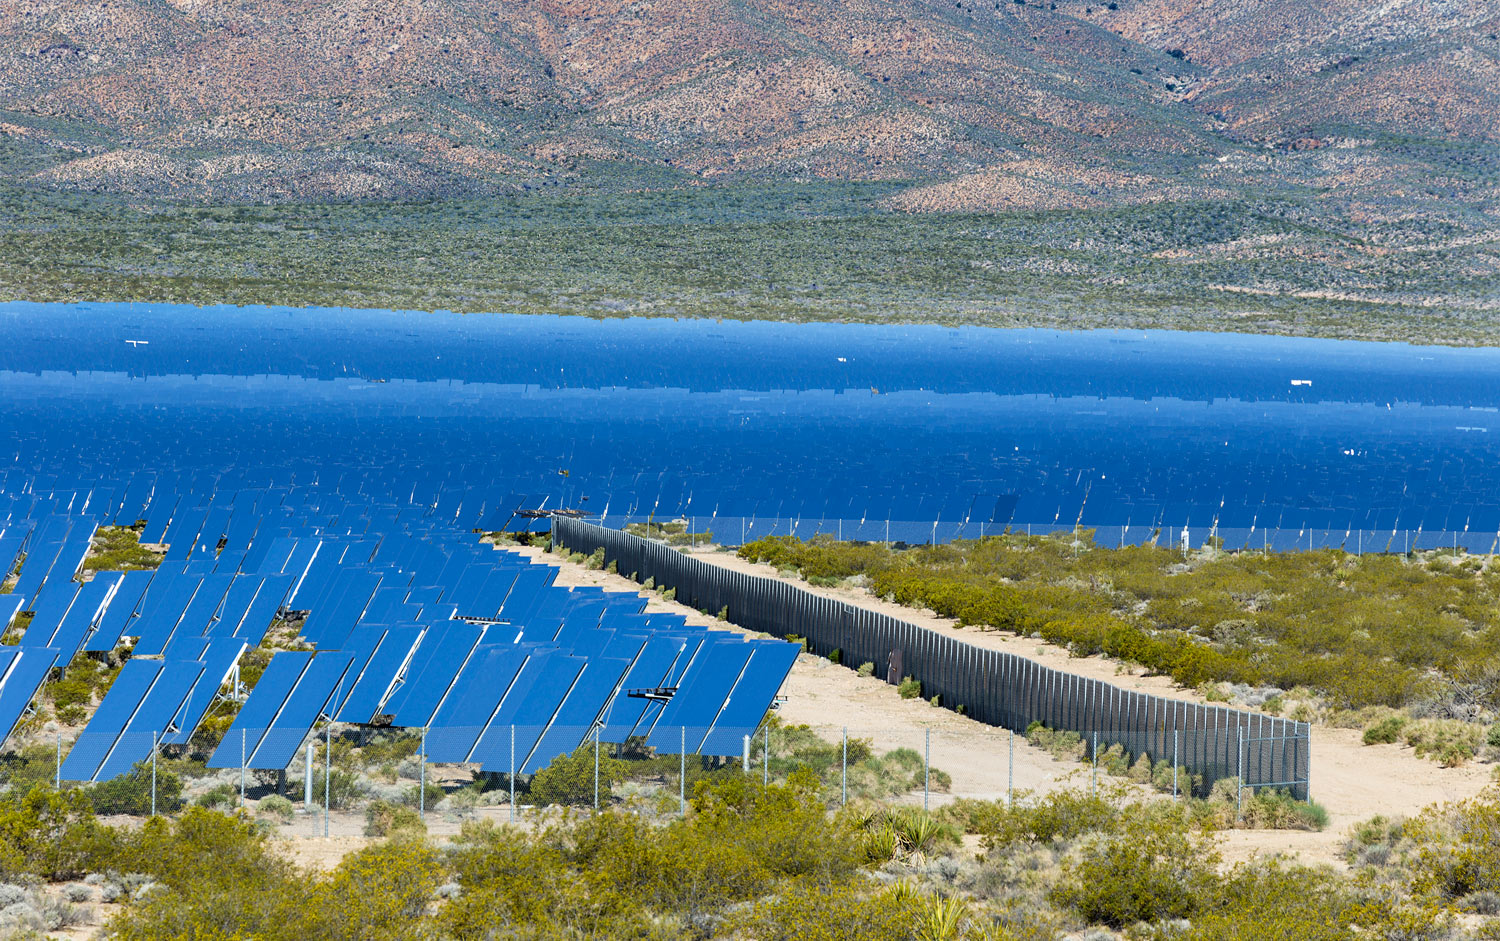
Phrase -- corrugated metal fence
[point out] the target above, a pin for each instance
(993, 687)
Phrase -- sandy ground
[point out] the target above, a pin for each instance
(1353, 781)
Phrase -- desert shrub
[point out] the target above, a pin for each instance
(342, 788)
(47, 833)
(1158, 869)
(866, 669)
(1450, 742)
(132, 792)
(847, 911)
(218, 797)
(383, 819)
(1386, 731)
(569, 779)
(276, 807)
(910, 688)
(1061, 744)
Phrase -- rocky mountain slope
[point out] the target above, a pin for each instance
(983, 105)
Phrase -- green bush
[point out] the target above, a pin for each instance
(131, 793)
(277, 807)
(569, 779)
(342, 788)
(910, 688)
(1386, 731)
(1156, 870)
(383, 819)
(218, 797)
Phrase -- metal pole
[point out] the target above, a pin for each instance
(682, 771)
(1094, 775)
(307, 777)
(422, 778)
(1176, 733)
(327, 772)
(745, 757)
(926, 766)
(596, 768)
(844, 772)
(1239, 777)
(513, 774)
(153, 774)
(1010, 768)
(58, 783)
(765, 760)
(242, 767)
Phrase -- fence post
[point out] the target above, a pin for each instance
(844, 772)
(422, 777)
(153, 773)
(926, 766)
(1094, 774)
(682, 771)
(327, 772)
(242, 768)
(1176, 734)
(307, 777)
(512, 773)
(1010, 771)
(1239, 775)
(745, 756)
(57, 785)
(596, 768)
(765, 760)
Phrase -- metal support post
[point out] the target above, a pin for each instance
(745, 756)
(513, 774)
(844, 772)
(926, 766)
(1094, 773)
(422, 777)
(327, 772)
(596, 768)
(242, 767)
(765, 760)
(682, 771)
(1176, 734)
(1239, 776)
(1010, 771)
(153, 774)
(58, 783)
(307, 776)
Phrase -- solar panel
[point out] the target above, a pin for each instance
(473, 701)
(530, 704)
(321, 686)
(260, 709)
(701, 693)
(117, 615)
(218, 661)
(98, 738)
(751, 698)
(379, 676)
(154, 715)
(575, 718)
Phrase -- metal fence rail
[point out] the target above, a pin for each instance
(993, 687)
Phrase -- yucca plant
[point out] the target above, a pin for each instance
(941, 919)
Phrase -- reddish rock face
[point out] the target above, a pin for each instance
(371, 98)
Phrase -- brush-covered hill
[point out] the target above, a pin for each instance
(982, 105)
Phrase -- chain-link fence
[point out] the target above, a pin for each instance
(993, 687)
(344, 780)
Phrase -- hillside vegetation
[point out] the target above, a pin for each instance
(824, 251)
